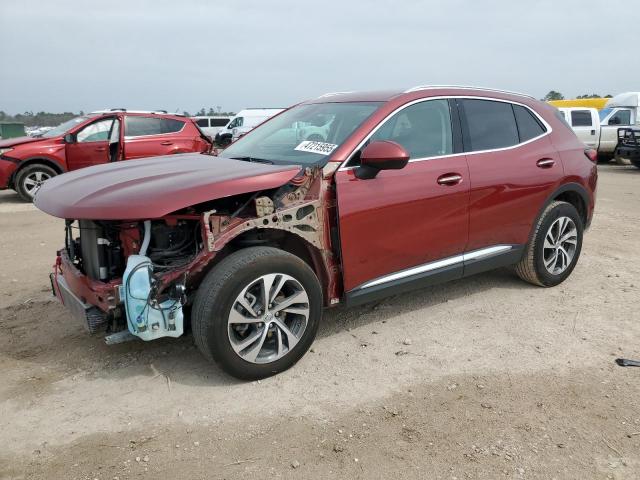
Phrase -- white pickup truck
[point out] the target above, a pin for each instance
(599, 130)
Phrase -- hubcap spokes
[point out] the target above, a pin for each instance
(268, 318)
(560, 245)
(34, 181)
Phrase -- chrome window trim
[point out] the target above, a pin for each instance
(345, 167)
(434, 265)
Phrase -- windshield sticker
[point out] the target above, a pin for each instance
(316, 147)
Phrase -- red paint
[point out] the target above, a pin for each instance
(401, 218)
(154, 187)
(66, 157)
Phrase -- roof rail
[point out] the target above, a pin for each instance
(497, 90)
(159, 112)
(331, 94)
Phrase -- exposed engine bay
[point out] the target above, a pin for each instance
(144, 272)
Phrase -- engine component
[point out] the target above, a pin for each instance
(100, 251)
(147, 317)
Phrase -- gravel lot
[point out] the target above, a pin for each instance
(485, 377)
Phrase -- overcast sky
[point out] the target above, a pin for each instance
(187, 54)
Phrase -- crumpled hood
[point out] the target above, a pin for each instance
(155, 186)
(12, 142)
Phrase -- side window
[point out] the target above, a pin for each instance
(203, 122)
(219, 122)
(528, 125)
(96, 132)
(490, 124)
(423, 129)
(581, 118)
(143, 126)
(621, 117)
(169, 125)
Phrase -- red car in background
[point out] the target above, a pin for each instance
(93, 139)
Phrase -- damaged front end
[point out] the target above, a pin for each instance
(139, 276)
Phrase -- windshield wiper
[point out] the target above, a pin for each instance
(253, 159)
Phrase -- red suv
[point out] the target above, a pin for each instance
(99, 137)
(404, 189)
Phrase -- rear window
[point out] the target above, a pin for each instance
(142, 126)
(528, 125)
(581, 118)
(490, 124)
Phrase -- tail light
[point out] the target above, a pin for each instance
(591, 154)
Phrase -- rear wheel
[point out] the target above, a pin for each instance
(257, 312)
(554, 249)
(30, 179)
(636, 163)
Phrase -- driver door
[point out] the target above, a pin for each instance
(91, 145)
(409, 225)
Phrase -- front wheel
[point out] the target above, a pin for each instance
(257, 312)
(30, 179)
(555, 246)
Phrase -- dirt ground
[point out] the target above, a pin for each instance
(486, 377)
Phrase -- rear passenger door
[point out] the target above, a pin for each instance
(151, 136)
(513, 167)
(583, 124)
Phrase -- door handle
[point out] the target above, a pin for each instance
(101, 149)
(545, 163)
(593, 132)
(166, 143)
(449, 179)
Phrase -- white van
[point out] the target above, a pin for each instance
(210, 126)
(243, 122)
(585, 122)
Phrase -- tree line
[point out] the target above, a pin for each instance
(553, 95)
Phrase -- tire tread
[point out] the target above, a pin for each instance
(526, 268)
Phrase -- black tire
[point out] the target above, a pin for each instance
(636, 163)
(531, 267)
(23, 177)
(217, 294)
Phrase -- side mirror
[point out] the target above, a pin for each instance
(69, 138)
(381, 155)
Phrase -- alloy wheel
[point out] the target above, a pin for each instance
(268, 318)
(34, 181)
(560, 245)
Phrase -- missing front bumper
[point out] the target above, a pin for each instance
(91, 317)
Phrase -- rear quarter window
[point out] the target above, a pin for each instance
(203, 122)
(528, 125)
(490, 125)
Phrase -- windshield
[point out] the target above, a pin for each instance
(604, 112)
(303, 135)
(64, 127)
